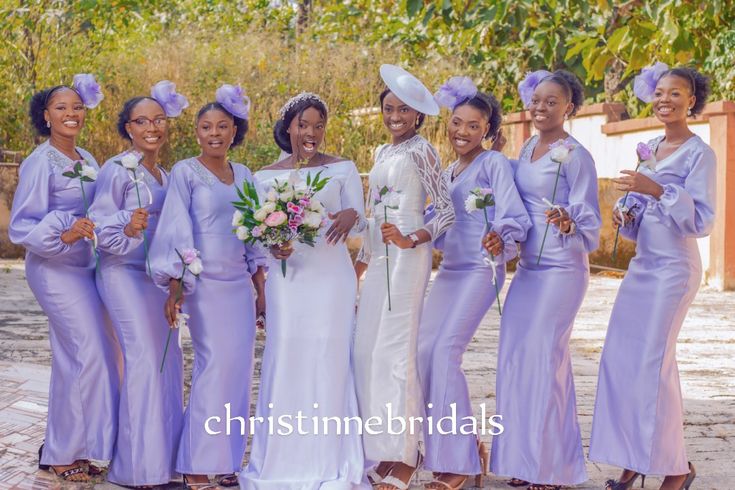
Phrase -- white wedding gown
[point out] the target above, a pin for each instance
(309, 326)
(385, 348)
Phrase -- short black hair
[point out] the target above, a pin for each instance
(421, 118)
(241, 125)
(490, 107)
(698, 84)
(571, 85)
(123, 117)
(39, 102)
(280, 130)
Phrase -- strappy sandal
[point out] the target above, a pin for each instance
(67, 475)
(397, 482)
(374, 477)
(446, 485)
(227, 480)
(517, 482)
(92, 470)
(540, 486)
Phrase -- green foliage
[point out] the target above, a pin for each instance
(276, 49)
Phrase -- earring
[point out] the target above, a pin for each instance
(130, 136)
(689, 112)
(566, 116)
(48, 124)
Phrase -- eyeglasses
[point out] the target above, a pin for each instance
(144, 121)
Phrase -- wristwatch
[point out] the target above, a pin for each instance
(414, 239)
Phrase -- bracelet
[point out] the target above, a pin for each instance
(572, 229)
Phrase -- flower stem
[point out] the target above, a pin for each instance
(283, 267)
(553, 199)
(168, 338)
(617, 231)
(387, 266)
(497, 289)
(86, 215)
(145, 239)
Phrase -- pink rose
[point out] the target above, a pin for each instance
(188, 255)
(276, 218)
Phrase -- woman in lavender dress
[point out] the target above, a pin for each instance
(465, 287)
(541, 442)
(221, 303)
(48, 218)
(638, 422)
(307, 365)
(126, 208)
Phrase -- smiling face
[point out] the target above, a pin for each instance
(307, 133)
(548, 106)
(147, 126)
(672, 99)
(65, 111)
(215, 131)
(467, 128)
(399, 118)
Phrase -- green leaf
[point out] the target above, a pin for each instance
(616, 40)
(580, 46)
(413, 7)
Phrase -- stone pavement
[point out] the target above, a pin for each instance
(706, 355)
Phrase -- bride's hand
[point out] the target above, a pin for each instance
(282, 252)
(343, 222)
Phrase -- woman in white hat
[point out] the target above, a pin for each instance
(397, 255)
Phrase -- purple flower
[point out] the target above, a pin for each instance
(164, 92)
(644, 84)
(528, 85)
(644, 152)
(234, 100)
(88, 89)
(484, 191)
(455, 91)
(294, 209)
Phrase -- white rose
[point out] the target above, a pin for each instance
(130, 161)
(272, 195)
(242, 233)
(286, 195)
(391, 200)
(236, 218)
(560, 154)
(312, 220)
(196, 266)
(89, 172)
(470, 204)
(316, 206)
(264, 211)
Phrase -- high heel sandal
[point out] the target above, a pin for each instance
(690, 478)
(43, 467)
(196, 486)
(484, 461)
(517, 482)
(65, 475)
(625, 485)
(446, 485)
(393, 481)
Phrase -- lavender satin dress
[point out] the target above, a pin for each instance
(83, 396)
(638, 422)
(535, 387)
(198, 213)
(151, 403)
(462, 293)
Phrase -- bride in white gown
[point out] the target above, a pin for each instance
(306, 367)
(385, 339)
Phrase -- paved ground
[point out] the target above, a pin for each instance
(706, 356)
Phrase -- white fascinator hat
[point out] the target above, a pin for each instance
(409, 89)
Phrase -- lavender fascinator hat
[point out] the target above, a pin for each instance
(164, 92)
(409, 89)
(88, 89)
(644, 85)
(455, 91)
(234, 100)
(527, 86)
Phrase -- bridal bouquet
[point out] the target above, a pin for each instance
(288, 212)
